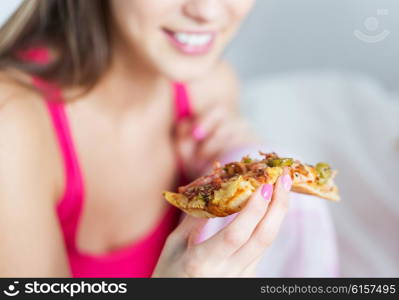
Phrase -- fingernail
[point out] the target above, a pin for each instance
(266, 191)
(198, 133)
(287, 182)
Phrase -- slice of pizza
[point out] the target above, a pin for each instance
(227, 188)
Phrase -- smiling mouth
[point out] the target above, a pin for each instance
(189, 42)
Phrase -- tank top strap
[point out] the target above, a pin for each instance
(183, 108)
(70, 204)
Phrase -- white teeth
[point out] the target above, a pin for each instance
(192, 39)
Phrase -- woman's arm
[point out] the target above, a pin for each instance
(31, 242)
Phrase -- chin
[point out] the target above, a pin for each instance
(187, 71)
(180, 67)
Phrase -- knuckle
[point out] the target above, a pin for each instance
(264, 239)
(266, 235)
(257, 203)
(256, 209)
(194, 262)
(195, 253)
(173, 237)
(192, 268)
(233, 238)
(281, 198)
(284, 204)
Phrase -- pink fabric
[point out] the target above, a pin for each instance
(135, 260)
(183, 111)
(182, 102)
(38, 55)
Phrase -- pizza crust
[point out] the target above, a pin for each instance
(322, 192)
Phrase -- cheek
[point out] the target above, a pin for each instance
(241, 8)
(238, 10)
(136, 18)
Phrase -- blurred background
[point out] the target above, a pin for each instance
(320, 81)
(289, 35)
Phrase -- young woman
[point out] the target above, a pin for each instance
(105, 104)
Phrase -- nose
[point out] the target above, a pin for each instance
(204, 11)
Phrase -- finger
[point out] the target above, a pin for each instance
(267, 229)
(184, 142)
(250, 270)
(224, 137)
(215, 143)
(205, 124)
(188, 230)
(237, 232)
(211, 149)
(229, 135)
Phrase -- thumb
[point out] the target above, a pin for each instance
(190, 229)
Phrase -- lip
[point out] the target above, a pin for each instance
(190, 49)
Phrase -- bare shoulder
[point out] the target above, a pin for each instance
(21, 110)
(14, 89)
(219, 87)
(30, 185)
(26, 137)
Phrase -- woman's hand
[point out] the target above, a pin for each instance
(236, 249)
(216, 126)
(203, 139)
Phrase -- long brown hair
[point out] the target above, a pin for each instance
(77, 31)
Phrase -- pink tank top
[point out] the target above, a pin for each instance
(135, 260)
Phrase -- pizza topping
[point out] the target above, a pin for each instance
(269, 156)
(246, 160)
(199, 181)
(280, 162)
(301, 170)
(204, 192)
(204, 187)
(273, 160)
(324, 172)
(235, 168)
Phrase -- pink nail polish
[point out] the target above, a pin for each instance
(287, 182)
(266, 191)
(198, 133)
